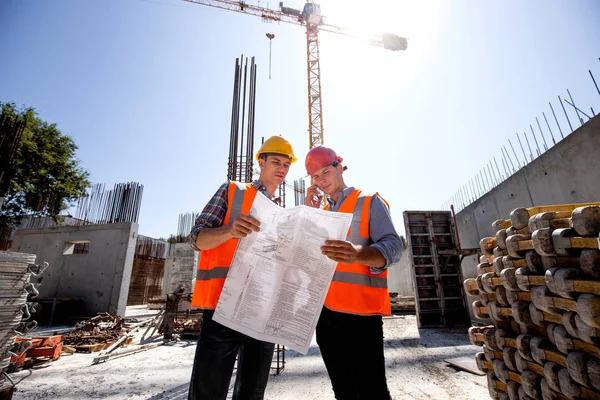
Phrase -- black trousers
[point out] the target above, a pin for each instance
(217, 349)
(352, 349)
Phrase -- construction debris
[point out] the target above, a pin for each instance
(539, 283)
(175, 322)
(97, 333)
(188, 326)
(120, 353)
(413, 359)
(402, 305)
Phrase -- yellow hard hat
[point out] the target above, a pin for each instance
(277, 145)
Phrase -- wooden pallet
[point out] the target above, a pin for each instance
(92, 348)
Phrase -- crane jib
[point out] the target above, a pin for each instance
(311, 18)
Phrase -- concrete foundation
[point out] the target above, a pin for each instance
(90, 262)
(566, 173)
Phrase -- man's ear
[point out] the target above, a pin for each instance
(261, 162)
(340, 168)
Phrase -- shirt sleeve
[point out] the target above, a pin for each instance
(212, 216)
(383, 234)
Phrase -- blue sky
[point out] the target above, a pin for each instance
(144, 88)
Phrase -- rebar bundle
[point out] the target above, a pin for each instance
(121, 204)
(241, 144)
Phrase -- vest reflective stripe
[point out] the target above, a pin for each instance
(359, 229)
(213, 264)
(354, 289)
(237, 203)
(360, 279)
(216, 272)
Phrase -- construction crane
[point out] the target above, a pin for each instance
(310, 17)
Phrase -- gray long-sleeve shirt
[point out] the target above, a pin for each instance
(382, 233)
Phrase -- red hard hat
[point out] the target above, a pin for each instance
(320, 157)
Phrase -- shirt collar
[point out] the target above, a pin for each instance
(341, 195)
(261, 188)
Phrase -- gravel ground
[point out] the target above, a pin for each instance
(414, 358)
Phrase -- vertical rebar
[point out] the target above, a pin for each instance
(494, 173)
(515, 153)
(541, 133)
(231, 167)
(528, 145)
(565, 111)
(487, 178)
(251, 119)
(595, 84)
(482, 181)
(575, 107)
(510, 159)
(536, 142)
(522, 149)
(469, 194)
(498, 169)
(470, 186)
(243, 117)
(504, 164)
(556, 119)
(548, 125)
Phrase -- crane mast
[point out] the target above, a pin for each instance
(310, 17)
(313, 68)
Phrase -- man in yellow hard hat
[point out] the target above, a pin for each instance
(216, 233)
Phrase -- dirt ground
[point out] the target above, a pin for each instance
(414, 358)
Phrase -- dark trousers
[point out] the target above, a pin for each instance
(215, 359)
(352, 349)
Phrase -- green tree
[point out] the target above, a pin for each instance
(44, 177)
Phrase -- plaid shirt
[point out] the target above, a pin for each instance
(214, 212)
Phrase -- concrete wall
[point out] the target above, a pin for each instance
(399, 277)
(180, 269)
(100, 278)
(569, 172)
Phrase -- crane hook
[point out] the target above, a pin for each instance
(271, 37)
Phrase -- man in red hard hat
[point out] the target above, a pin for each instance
(216, 233)
(350, 328)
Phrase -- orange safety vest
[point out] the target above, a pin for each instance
(213, 264)
(354, 289)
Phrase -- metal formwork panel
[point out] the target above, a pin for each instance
(436, 272)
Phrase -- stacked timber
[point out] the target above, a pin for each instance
(539, 282)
